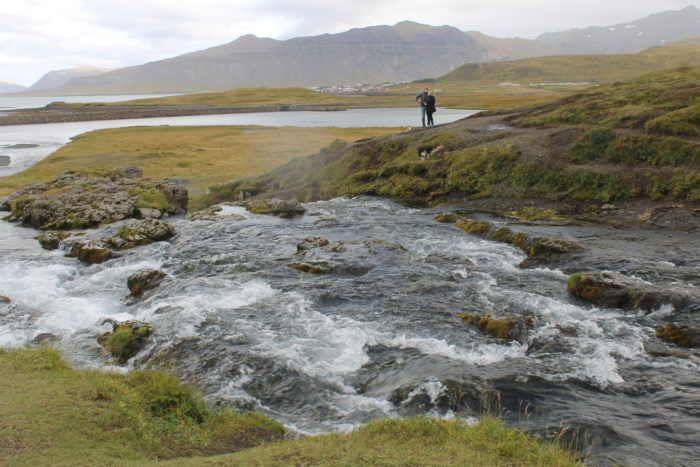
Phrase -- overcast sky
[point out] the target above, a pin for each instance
(37, 36)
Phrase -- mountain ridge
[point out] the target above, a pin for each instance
(405, 51)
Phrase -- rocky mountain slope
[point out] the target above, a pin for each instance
(403, 52)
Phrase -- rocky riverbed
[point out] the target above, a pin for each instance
(341, 311)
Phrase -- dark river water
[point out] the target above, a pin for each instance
(379, 336)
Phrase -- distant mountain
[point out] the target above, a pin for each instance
(11, 87)
(55, 79)
(403, 52)
(657, 29)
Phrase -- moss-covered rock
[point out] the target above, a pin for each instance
(276, 207)
(538, 249)
(317, 255)
(144, 280)
(90, 253)
(125, 339)
(313, 241)
(680, 334)
(511, 329)
(140, 232)
(613, 290)
(79, 201)
(52, 240)
(4, 300)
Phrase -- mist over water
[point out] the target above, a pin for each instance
(379, 337)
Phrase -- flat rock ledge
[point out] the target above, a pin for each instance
(130, 235)
(613, 290)
(78, 201)
(318, 255)
(276, 207)
(539, 250)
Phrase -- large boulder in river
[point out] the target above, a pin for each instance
(680, 334)
(353, 257)
(125, 339)
(140, 232)
(276, 207)
(510, 329)
(90, 253)
(613, 290)
(75, 201)
(144, 280)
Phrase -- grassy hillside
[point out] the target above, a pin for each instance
(578, 68)
(54, 415)
(622, 141)
(665, 102)
(202, 155)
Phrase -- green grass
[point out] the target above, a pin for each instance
(410, 442)
(203, 156)
(54, 415)
(665, 102)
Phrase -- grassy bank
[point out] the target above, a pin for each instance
(203, 155)
(623, 141)
(54, 415)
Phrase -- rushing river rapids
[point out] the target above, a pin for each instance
(379, 336)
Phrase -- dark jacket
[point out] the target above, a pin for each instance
(430, 103)
(423, 97)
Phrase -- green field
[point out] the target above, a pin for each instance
(204, 156)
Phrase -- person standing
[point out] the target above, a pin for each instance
(422, 98)
(430, 107)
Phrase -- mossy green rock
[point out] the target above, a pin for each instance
(52, 240)
(538, 249)
(680, 334)
(141, 232)
(613, 290)
(90, 253)
(80, 201)
(276, 207)
(125, 339)
(511, 329)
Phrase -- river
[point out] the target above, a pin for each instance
(25, 145)
(379, 337)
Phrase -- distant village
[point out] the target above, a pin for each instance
(358, 88)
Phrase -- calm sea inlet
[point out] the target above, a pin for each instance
(28, 144)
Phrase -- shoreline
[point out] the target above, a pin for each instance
(87, 113)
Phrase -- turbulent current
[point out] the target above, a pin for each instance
(379, 336)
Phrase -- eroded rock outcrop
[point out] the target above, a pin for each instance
(539, 250)
(613, 290)
(355, 257)
(680, 334)
(144, 280)
(276, 207)
(140, 232)
(76, 201)
(125, 339)
(510, 329)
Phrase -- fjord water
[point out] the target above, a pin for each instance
(379, 337)
(28, 144)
